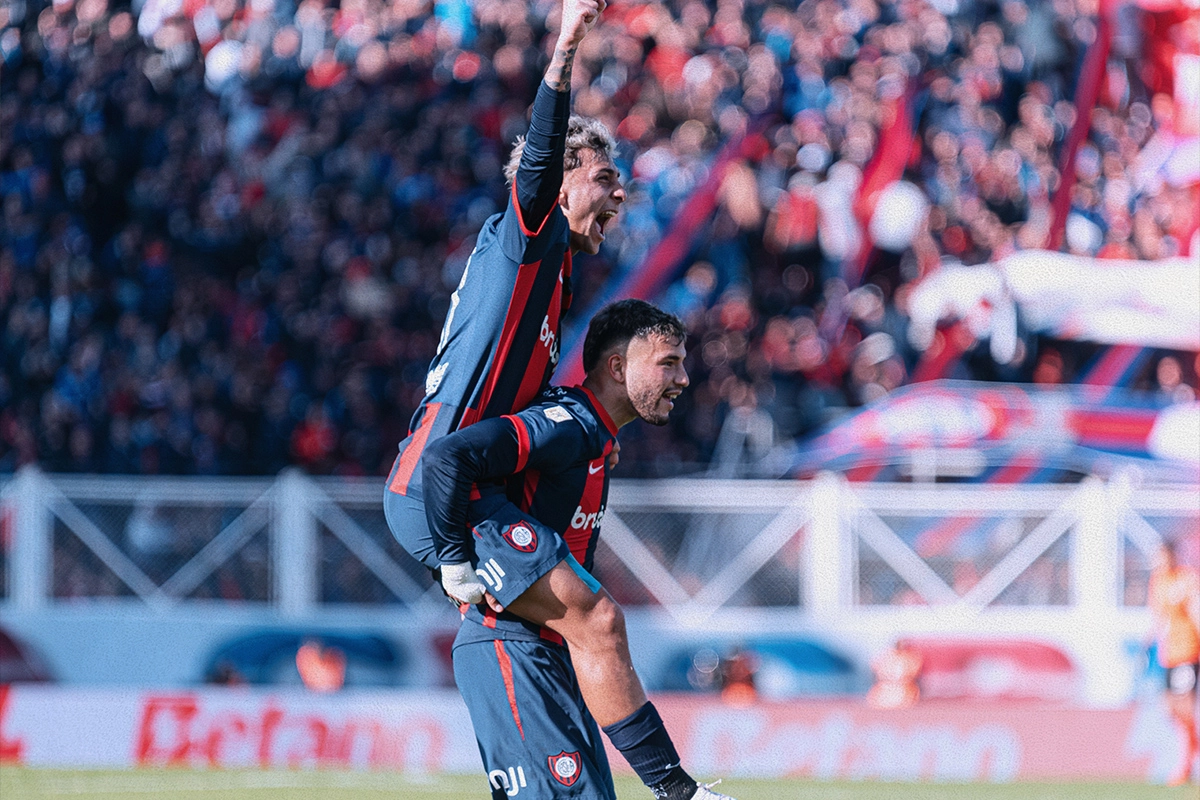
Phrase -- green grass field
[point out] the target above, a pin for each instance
(18, 783)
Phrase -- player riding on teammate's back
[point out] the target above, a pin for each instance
(497, 349)
(499, 343)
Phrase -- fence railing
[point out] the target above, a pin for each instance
(690, 547)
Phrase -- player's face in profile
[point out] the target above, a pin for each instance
(592, 194)
(654, 376)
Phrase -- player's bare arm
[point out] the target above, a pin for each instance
(578, 17)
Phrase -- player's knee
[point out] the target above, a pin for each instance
(606, 623)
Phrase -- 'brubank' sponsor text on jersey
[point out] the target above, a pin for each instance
(499, 343)
(550, 461)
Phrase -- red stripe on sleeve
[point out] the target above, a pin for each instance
(521, 217)
(408, 461)
(522, 441)
(509, 686)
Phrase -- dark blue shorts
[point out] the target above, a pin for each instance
(512, 549)
(406, 518)
(537, 739)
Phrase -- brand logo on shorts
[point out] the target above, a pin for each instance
(511, 782)
(521, 536)
(565, 767)
(492, 574)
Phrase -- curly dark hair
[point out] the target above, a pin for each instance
(618, 322)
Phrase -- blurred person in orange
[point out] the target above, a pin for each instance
(737, 677)
(1175, 607)
(896, 672)
(322, 669)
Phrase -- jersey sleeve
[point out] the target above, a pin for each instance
(532, 217)
(540, 172)
(487, 450)
(550, 438)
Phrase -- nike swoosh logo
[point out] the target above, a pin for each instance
(594, 470)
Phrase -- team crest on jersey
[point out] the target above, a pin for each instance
(521, 536)
(565, 767)
(557, 414)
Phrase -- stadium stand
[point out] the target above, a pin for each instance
(232, 229)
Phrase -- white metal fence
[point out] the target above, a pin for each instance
(691, 547)
(172, 566)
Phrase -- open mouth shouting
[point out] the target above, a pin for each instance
(602, 221)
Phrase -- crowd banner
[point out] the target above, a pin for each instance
(430, 732)
(1075, 298)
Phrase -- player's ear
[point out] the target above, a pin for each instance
(616, 367)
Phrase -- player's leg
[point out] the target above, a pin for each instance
(594, 626)
(1181, 687)
(535, 736)
(532, 574)
(570, 602)
(529, 570)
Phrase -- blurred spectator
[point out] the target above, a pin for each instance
(1175, 605)
(737, 677)
(322, 669)
(224, 673)
(896, 671)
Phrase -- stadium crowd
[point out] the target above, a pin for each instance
(231, 227)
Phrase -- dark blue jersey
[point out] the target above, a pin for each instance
(499, 343)
(549, 461)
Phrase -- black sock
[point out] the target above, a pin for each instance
(643, 740)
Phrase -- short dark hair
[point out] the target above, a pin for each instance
(623, 320)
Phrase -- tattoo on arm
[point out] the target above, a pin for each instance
(558, 75)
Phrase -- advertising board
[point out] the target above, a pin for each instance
(430, 732)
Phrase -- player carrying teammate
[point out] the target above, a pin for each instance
(499, 345)
(532, 488)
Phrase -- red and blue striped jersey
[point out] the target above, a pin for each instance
(549, 460)
(500, 340)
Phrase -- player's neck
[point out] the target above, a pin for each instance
(613, 397)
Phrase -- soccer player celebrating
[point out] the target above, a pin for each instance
(499, 343)
(523, 496)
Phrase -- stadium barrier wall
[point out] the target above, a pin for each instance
(170, 568)
(430, 732)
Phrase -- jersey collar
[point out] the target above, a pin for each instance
(600, 411)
